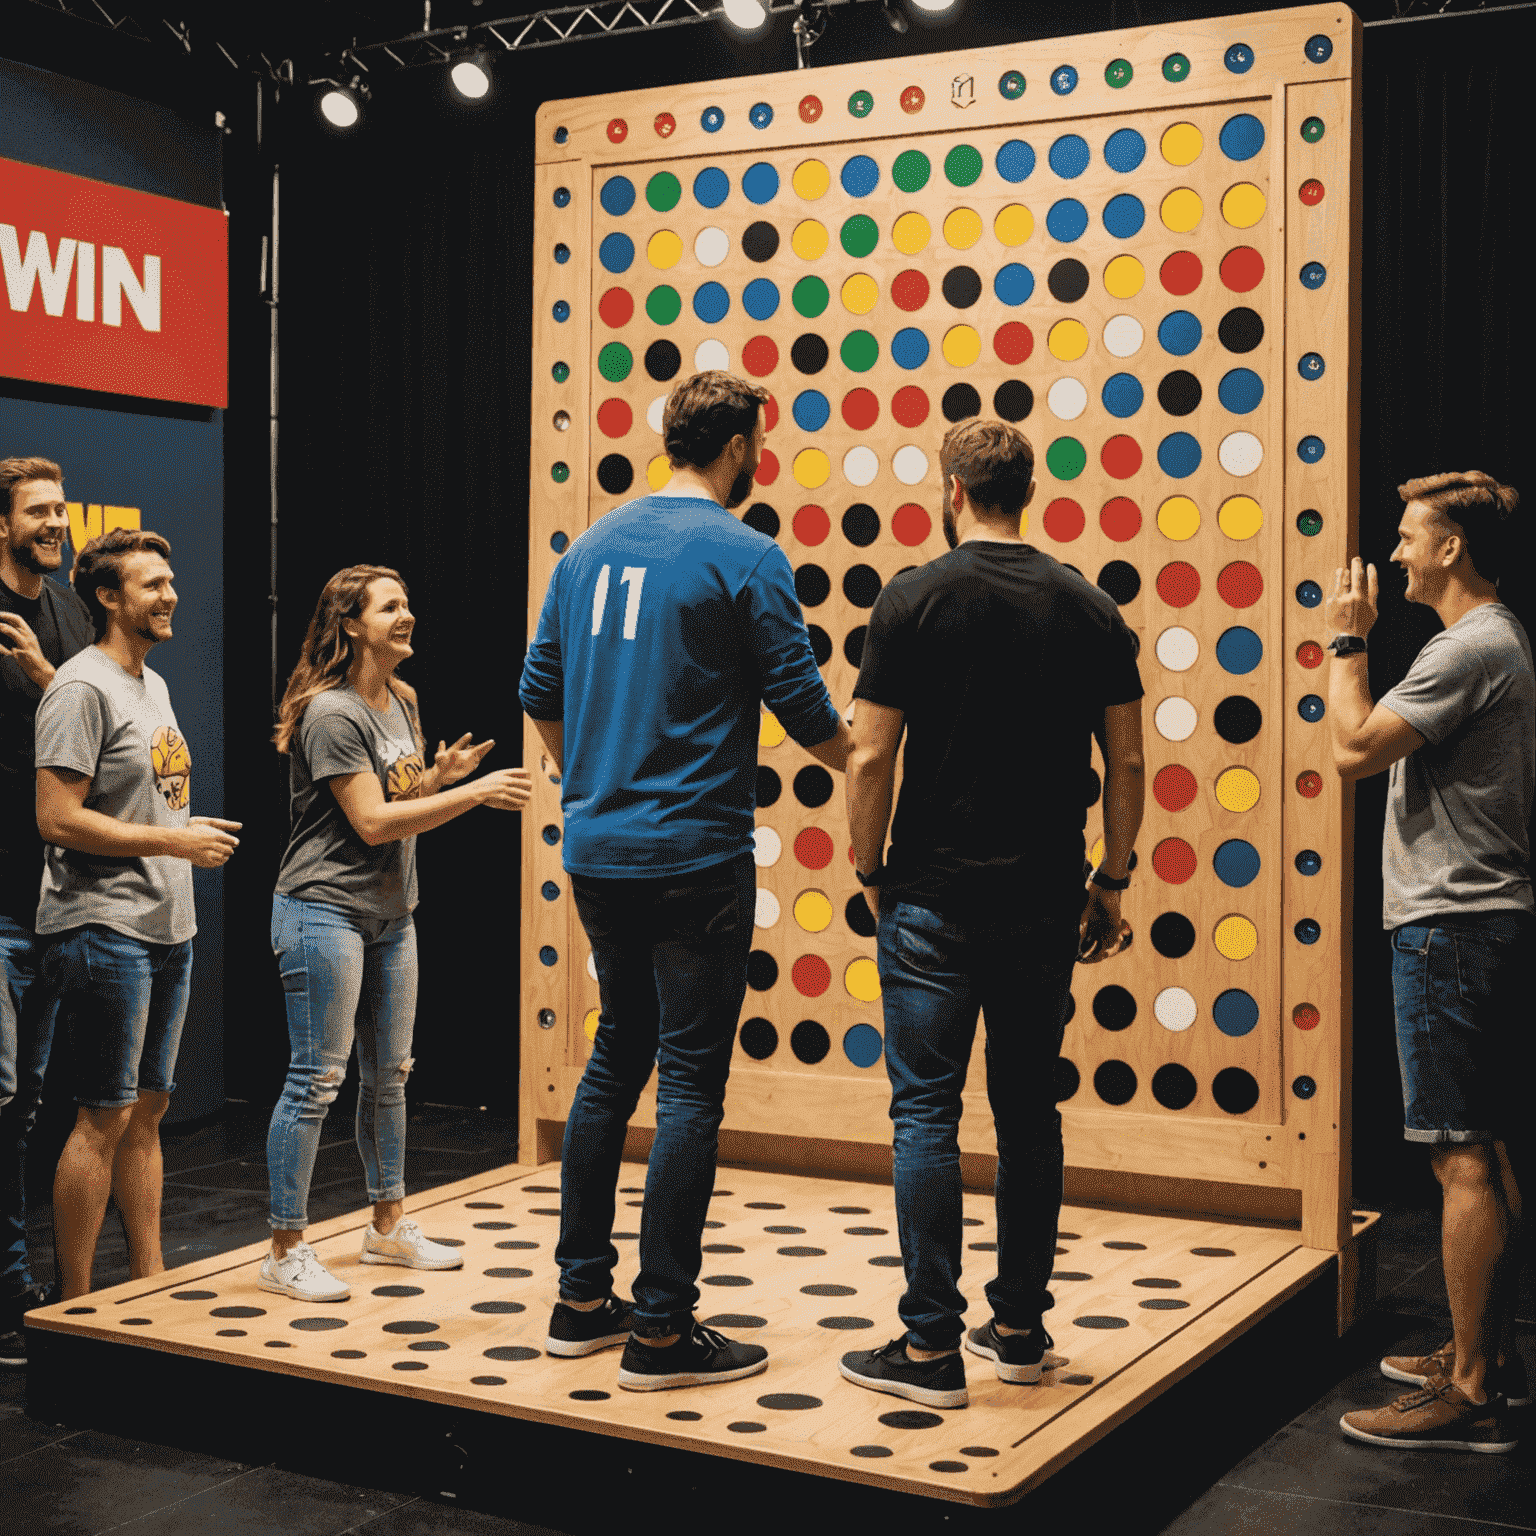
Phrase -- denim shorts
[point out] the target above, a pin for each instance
(1462, 1029)
(123, 1002)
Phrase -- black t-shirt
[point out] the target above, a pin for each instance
(62, 624)
(1003, 662)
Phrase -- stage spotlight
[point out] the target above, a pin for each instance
(895, 17)
(339, 108)
(470, 78)
(745, 15)
(934, 7)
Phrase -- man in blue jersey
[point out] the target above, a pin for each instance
(664, 626)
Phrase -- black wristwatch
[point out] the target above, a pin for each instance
(874, 877)
(1347, 645)
(1108, 882)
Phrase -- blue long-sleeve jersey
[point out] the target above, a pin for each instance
(664, 625)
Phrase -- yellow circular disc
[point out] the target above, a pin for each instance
(813, 911)
(1023, 524)
(589, 1024)
(1236, 937)
(812, 467)
(962, 346)
(1178, 518)
(658, 472)
(862, 979)
(1014, 225)
(1068, 340)
(1237, 789)
(811, 179)
(1243, 205)
(911, 233)
(1123, 277)
(1181, 210)
(1096, 853)
(769, 732)
(962, 228)
(665, 249)
(1240, 517)
(860, 294)
(809, 240)
(1182, 144)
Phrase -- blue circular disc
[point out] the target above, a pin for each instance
(1069, 156)
(1309, 930)
(562, 135)
(558, 542)
(1124, 150)
(909, 348)
(1123, 395)
(617, 196)
(711, 303)
(1015, 160)
(1236, 863)
(1239, 650)
(562, 311)
(616, 252)
(1310, 365)
(1308, 861)
(1304, 1087)
(1235, 1012)
(761, 115)
(1064, 80)
(760, 298)
(860, 176)
(1239, 58)
(1319, 48)
(1179, 333)
(1311, 708)
(1314, 275)
(1309, 594)
(1242, 137)
(811, 410)
(1124, 215)
(549, 891)
(711, 187)
(549, 955)
(1011, 86)
(1014, 283)
(862, 1045)
(551, 834)
(712, 119)
(1178, 455)
(1240, 391)
(1310, 449)
(761, 183)
(1067, 220)
(562, 196)
(563, 253)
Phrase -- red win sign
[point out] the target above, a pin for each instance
(110, 289)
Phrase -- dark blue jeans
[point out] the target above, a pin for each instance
(671, 959)
(936, 973)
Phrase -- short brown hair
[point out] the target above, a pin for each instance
(14, 472)
(100, 564)
(995, 463)
(1478, 507)
(705, 412)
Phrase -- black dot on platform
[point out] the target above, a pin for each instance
(765, 1205)
(1068, 1079)
(784, 1231)
(861, 585)
(511, 1352)
(1158, 1283)
(349, 1354)
(714, 1224)
(812, 586)
(223, 1333)
(221, 1311)
(488, 1381)
(788, 1401)
(625, 1237)
(498, 1306)
(1115, 1082)
(430, 1347)
(1174, 1086)
(1068, 280)
(760, 241)
(861, 524)
(960, 402)
(810, 1042)
(1077, 1381)
(1179, 392)
(769, 786)
(848, 1324)
(1237, 719)
(615, 473)
(1163, 1304)
(853, 645)
(828, 1290)
(746, 1427)
(409, 1365)
(533, 1210)
(1215, 1253)
(483, 1205)
(759, 1039)
(495, 1226)
(859, 918)
(685, 1415)
(1240, 330)
(723, 1248)
(947, 1466)
(731, 1280)
(763, 518)
(631, 1189)
(591, 1395)
(1013, 400)
(1114, 1007)
(662, 360)
(541, 1189)
(278, 1344)
(813, 786)
(849, 1210)
(1173, 935)
(1125, 1246)
(411, 1325)
(910, 1418)
(1070, 1274)
(972, 1221)
(962, 287)
(456, 1242)
(80, 1311)
(1121, 580)
(871, 1452)
(762, 970)
(137, 1322)
(735, 1320)
(977, 1450)
(803, 1253)
(821, 644)
(1100, 1321)
(866, 1231)
(517, 1242)
(1235, 1090)
(317, 1324)
(723, 1194)
(809, 353)
(507, 1274)
(1069, 1237)
(886, 1261)
(983, 1247)
(193, 1295)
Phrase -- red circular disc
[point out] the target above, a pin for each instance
(767, 468)
(666, 125)
(1174, 860)
(911, 524)
(813, 848)
(1311, 192)
(912, 99)
(810, 108)
(1174, 787)
(909, 290)
(1064, 520)
(811, 975)
(616, 307)
(1242, 269)
(614, 418)
(1309, 653)
(1181, 273)
(1309, 784)
(1121, 457)
(909, 406)
(1013, 342)
(811, 524)
(1240, 584)
(1178, 584)
(1305, 1016)
(861, 409)
(770, 414)
(618, 130)
(1120, 519)
(760, 356)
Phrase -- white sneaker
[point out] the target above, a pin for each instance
(300, 1274)
(410, 1246)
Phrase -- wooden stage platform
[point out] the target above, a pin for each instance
(809, 1267)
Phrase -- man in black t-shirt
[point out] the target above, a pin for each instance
(999, 664)
(42, 623)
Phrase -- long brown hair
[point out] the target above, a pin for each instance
(327, 652)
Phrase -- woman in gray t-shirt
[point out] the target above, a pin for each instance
(359, 792)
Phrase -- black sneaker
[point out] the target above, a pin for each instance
(934, 1383)
(1019, 1357)
(696, 1359)
(573, 1332)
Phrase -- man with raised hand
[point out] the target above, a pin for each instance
(113, 786)
(1459, 735)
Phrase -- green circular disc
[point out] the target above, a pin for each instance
(1312, 129)
(810, 297)
(860, 351)
(911, 170)
(860, 235)
(962, 165)
(1011, 86)
(1310, 523)
(561, 372)
(1066, 458)
(561, 472)
(1176, 68)
(662, 191)
(861, 103)
(1119, 73)
(663, 304)
(615, 361)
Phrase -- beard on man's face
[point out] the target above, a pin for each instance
(41, 562)
(741, 488)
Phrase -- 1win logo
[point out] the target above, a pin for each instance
(962, 90)
(35, 269)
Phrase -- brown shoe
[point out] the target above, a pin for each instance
(1434, 1417)
(1509, 1379)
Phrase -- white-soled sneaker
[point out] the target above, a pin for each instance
(300, 1274)
(410, 1246)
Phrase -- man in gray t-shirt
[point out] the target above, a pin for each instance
(1459, 735)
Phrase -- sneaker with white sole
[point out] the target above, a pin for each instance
(300, 1274)
(408, 1245)
(1019, 1357)
(933, 1383)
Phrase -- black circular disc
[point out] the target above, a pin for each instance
(1173, 1087)
(853, 645)
(1114, 1007)
(821, 644)
(859, 918)
(615, 474)
(1173, 935)
(1235, 1090)
(662, 360)
(861, 524)
(1121, 580)
(1093, 788)
(762, 517)
(759, 1039)
(962, 287)
(1240, 330)
(1067, 1079)
(762, 970)
(1068, 280)
(960, 402)
(1014, 400)
(812, 586)
(1115, 1082)
(809, 1041)
(813, 786)
(861, 585)
(1237, 719)
(769, 786)
(760, 241)
(1179, 393)
(809, 353)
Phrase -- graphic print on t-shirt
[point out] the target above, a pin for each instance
(403, 770)
(172, 763)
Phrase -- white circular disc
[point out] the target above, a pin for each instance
(860, 465)
(591, 965)
(1067, 399)
(766, 847)
(1123, 336)
(1177, 649)
(1240, 453)
(711, 354)
(653, 413)
(767, 913)
(1175, 1008)
(1176, 719)
(910, 465)
(712, 246)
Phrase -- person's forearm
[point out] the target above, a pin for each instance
(871, 788)
(87, 831)
(1125, 791)
(391, 822)
(835, 749)
(1349, 701)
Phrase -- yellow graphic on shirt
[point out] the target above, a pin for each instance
(403, 770)
(172, 762)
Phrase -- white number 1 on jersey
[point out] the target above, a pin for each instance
(634, 579)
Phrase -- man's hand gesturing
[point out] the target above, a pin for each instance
(1351, 607)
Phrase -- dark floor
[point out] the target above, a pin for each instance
(1258, 1452)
